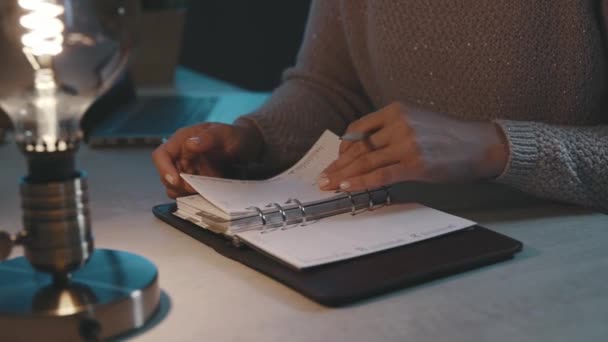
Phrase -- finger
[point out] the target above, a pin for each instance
(208, 168)
(358, 148)
(379, 139)
(364, 164)
(164, 161)
(201, 142)
(210, 142)
(177, 185)
(345, 145)
(371, 122)
(193, 148)
(177, 193)
(380, 177)
(347, 157)
(166, 156)
(182, 187)
(190, 166)
(187, 188)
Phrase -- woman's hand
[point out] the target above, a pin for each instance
(208, 149)
(412, 145)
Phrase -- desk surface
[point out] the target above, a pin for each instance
(555, 290)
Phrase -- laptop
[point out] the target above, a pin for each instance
(149, 118)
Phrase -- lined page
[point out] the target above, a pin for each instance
(234, 196)
(344, 236)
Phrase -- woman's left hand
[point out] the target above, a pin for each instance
(412, 145)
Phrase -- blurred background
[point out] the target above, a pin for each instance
(245, 43)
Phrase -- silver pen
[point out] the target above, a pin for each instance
(355, 136)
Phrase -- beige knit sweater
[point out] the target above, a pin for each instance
(538, 68)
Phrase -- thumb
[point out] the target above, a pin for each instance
(197, 144)
(193, 152)
(204, 141)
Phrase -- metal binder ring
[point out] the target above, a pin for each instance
(370, 199)
(302, 209)
(282, 212)
(260, 214)
(388, 200)
(353, 205)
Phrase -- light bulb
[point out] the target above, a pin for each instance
(46, 29)
(56, 57)
(60, 56)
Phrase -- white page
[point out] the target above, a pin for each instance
(344, 236)
(198, 203)
(233, 196)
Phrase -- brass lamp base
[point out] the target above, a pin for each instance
(113, 294)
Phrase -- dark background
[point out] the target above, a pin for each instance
(245, 42)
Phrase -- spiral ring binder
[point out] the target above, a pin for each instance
(353, 204)
(281, 211)
(260, 214)
(293, 213)
(302, 209)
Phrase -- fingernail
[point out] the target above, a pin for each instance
(323, 181)
(195, 140)
(170, 179)
(344, 185)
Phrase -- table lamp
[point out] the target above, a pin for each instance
(60, 55)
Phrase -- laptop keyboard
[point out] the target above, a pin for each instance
(162, 114)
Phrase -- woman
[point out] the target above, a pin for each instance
(512, 91)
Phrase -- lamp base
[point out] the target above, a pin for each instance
(113, 294)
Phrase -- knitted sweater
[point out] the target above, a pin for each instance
(537, 68)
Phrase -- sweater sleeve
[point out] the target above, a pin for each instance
(565, 163)
(322, 91)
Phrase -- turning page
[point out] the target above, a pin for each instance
(235, 196)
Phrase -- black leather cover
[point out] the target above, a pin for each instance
(355, 279)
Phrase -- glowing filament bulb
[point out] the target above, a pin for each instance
(43, 41)
(46, 29)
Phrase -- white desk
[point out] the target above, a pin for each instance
(555, 290)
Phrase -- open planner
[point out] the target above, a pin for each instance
(335, 248)
(290, 219)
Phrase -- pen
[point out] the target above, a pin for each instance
(355, 136)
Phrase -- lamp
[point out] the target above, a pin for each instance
(60, 56)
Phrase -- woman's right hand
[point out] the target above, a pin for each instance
(208, 149)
